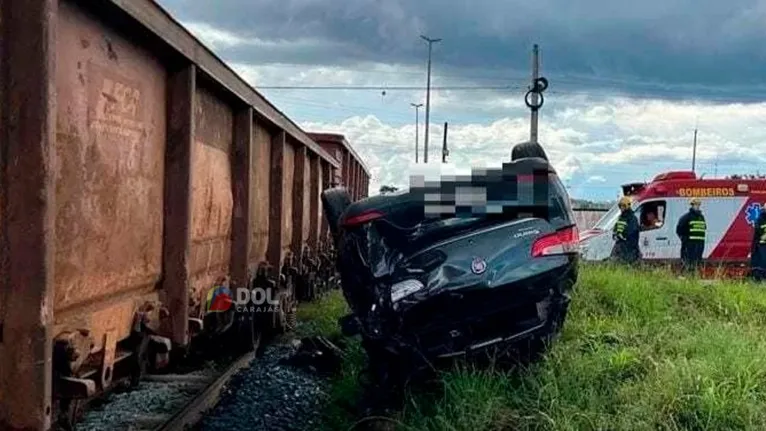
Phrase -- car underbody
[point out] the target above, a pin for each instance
(428, 290)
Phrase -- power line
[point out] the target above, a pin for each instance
(392, 88)
(473, 74)
(585, 90)
(502, 75)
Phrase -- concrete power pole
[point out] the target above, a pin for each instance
(694, 152)
(445, 151)
(535, 76)
(417, 126)
(428, 95)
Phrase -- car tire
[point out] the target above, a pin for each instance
(335, 201)
(528, 149)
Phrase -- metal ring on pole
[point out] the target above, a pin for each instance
(541, 84)
(529, 104)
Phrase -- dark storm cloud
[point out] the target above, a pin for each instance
(713, 49)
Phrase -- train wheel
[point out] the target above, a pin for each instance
(249, 333)
(139, 362)
(69, 412)
(286, 317)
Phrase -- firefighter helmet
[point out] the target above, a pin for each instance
(695, 201)
(625, 202)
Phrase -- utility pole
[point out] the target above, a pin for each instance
(445, 151)
(417, 126)
(535, 76)
(428, 94)
(694, 151)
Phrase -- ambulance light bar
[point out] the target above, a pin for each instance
(676, 175)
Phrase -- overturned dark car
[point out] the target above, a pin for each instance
(449, 269)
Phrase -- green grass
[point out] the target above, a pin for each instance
(321, 316)
(640, 351)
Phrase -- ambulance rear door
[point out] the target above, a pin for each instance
(657, 219)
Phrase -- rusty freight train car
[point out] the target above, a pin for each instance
(352, 173)
(139, 174)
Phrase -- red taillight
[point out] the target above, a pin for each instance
(362, 218)
(564, 241)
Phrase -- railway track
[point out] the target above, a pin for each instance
(180, 397)
(165, 402)
(206, 399)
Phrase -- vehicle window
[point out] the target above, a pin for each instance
(651, 215)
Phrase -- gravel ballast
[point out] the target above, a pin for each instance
(146, 407)
(270, 395)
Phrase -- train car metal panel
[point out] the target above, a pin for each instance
(182, 84)
(150, 15)
(351, 175)
(298, 197)
(212, 199)
(260, 193)
(110, 145)
(303, 187)
(315, 210)
(351, 172)
(287, 190)
(327, 182)
(241, 162)
(3, 269)
(28, 139)
(358, 180)
(347, 171)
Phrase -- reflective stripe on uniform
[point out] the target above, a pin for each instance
(619, 229)
(697, 230)
(763, 235)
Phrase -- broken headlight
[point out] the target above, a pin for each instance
(404, 288)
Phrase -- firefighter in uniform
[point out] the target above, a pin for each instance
(691, 230)
(758, 251)
(625, 234)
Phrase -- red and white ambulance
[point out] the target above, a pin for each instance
(730, 207)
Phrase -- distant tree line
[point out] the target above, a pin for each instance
(385, 189)
(591, 205)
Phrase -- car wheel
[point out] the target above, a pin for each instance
(528, 149)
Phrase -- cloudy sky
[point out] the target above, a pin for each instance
(629, 81)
